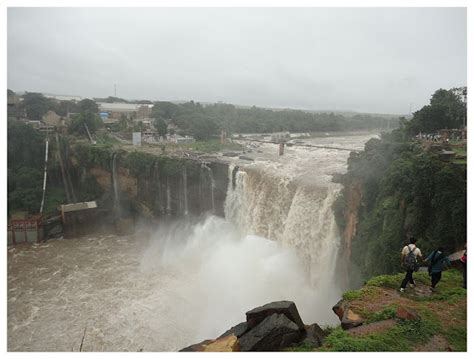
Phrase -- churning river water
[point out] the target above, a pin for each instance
(164, 288)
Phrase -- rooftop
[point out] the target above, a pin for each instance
(117, 106)
(71, 207)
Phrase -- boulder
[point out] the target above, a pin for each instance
(274, 333)
(351, 319)
(406, 313)
(199, 347)
(314, 336)
(271, 327)
(285, 307)
(339, 308)
(228, 343)
(237, 330)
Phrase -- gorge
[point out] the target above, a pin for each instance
(213, 239)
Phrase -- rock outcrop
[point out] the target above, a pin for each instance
(287, 308)
(153, 185)
(271, 327)
(314, 336)
(227, 343)
(237, 330)
(348, 318)
(273, 333)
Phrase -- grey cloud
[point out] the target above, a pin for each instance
(372, 60)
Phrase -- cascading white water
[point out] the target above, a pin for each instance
(115, 185)
(213, 186)
(295, 214)
(168, 198)
(185, 190)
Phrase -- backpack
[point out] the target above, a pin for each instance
(435, 259)
(410, 261)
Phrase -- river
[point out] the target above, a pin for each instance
(188, 280)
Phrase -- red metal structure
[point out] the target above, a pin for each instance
(21, 227)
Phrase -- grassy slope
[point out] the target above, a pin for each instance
(443, 314)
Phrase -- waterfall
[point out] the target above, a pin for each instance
(212, 183)
(115, 185)
(168, 197)
(294, 213)
(159, 193)
(185, 190)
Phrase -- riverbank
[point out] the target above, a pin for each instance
(383, 319)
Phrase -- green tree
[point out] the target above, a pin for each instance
(62, 108)
(24, 189)
(92, 120)
(112, 99)
(87, 105)
(203, 128)
(446, 110)
(123, 123)
(161, 126)
(36, 105)
(24, 146)
(165, 110)
(25, 150)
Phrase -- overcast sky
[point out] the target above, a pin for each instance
(367, 60)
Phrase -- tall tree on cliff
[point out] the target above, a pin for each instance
(447, 109)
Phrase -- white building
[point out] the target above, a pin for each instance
(64, 97)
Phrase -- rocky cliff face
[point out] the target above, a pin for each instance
(351, 213)
(151, 186)
(348, 224)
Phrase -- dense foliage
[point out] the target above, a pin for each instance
(204, 121)
(447, 109)
(25, 167)
(79, 122)
(161, 126)
(26, 151)
(406, 191)
(36, 105)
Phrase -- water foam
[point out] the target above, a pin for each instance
(222, 274)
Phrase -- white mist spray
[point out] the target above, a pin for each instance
(215, 275)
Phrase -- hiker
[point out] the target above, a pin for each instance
(464, 267)
(410, 254)
(437, 261)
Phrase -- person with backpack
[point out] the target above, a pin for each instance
(437, 261)
(410, 255)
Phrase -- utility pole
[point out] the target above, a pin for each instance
(115, 90)
(45, 171)
(464, 93)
